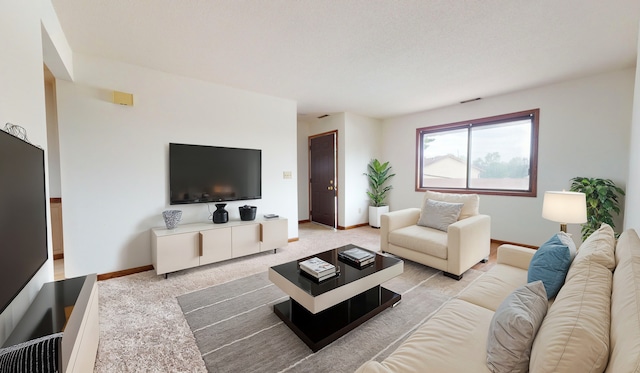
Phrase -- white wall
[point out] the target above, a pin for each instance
(584, 130)
(363, 142)
(632, 206)
(303, 167)
(53, 155)
(114, 159)
(22, 103)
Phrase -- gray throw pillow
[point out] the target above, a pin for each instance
(439, 215)
(513, 328)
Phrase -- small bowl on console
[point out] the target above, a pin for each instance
(247, 213)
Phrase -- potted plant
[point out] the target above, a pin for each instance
(378, 174)
(602, 201)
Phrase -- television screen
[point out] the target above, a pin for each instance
(200, 174)
(23, 215)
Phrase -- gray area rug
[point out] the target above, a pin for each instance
(236, 330)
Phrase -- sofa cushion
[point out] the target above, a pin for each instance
(566, 240)
(421, 239)
(494, 286)
(574, 336)
(453, 340)
(513, 328)
(598, 247)
(36, 355)
(550, 264)
(471, 202)
(439, 215)
(625, 306)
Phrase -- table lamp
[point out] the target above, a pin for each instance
(565, 208)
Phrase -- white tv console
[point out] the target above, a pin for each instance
(192, 245)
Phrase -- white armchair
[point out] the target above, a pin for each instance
(464, 243)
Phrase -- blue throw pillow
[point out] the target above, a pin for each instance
(550, 264)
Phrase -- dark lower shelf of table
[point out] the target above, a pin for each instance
(319, 330)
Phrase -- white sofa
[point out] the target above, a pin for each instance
(593, 325)
(465, 243)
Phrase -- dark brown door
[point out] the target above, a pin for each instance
(322, 183)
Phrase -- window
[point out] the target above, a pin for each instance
(496, 155)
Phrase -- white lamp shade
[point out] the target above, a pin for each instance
(565, 207)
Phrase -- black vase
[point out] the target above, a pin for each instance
(220, 215)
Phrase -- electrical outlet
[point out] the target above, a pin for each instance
(286, 175)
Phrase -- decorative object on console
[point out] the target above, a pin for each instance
(565, 208)
(220, 215)
(378, 174)
(317, 268)
(602, 198)
(172, 218)
(357, 257)
(247, 213)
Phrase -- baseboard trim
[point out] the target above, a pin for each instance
(294, 239)
(58, 256)
(353, 226)
(55, 200)
(500, 242)
(304, 221)
(125, 272)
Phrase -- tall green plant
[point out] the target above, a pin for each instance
(602, 201)
(378, 174)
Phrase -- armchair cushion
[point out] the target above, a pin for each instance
(471, 202)
(439, 215)
(421, 239)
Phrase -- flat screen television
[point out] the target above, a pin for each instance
(23, 215)
(201, 174)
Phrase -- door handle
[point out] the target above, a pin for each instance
(330, 188)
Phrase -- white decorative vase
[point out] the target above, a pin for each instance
(374, 215)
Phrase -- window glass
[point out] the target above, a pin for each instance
(445, 159)
(496, 155)
(500, 156)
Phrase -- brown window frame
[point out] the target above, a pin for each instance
(534, 114)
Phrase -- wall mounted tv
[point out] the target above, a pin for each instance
(23, 215)
(201, 174)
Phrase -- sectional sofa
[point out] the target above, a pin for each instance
(592, 325)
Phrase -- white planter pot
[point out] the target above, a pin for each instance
(374, 215)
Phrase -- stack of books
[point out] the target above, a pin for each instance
(357, 257)
(318, 268)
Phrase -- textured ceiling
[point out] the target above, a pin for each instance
(372, 57)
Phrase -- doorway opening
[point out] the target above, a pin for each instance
(323, 180)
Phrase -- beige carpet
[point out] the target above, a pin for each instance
(143, 329)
